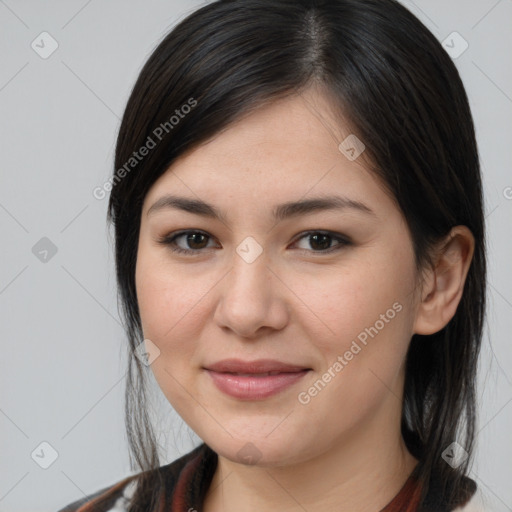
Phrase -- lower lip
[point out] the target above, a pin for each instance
(254, 388)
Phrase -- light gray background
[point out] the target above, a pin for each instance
(62, 368)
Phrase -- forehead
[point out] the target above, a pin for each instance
(284, 151)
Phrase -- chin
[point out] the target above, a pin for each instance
(262, 451)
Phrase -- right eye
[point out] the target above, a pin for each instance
(192, 238)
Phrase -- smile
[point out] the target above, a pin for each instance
(255, 386)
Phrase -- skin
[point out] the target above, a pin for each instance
(296, 303)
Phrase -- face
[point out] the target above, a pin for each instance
(325, 289)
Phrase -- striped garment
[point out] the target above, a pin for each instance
(188, 478)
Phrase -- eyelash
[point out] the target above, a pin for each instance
(170, 241)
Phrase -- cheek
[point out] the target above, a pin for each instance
(375, 318)
(163, 294)
(362, 360)
(169, 320)
(164, 311)
(368, 316)
(341, 306)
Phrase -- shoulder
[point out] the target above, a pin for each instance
(478, 503)
(116, 497)
(118, 494)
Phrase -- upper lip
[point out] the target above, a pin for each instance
(256, 366)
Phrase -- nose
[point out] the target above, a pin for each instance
(252, 299)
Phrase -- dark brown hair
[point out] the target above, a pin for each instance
(404, 99)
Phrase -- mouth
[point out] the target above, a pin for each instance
(255, 385)
(260, 367)
(266, 374)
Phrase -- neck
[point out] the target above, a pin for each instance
(361, 472)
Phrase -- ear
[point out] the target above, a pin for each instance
(444, 284)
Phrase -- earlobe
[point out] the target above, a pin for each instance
(444, 285)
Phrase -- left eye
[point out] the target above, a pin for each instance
(319, 239)
(322, 240)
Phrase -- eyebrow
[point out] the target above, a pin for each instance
(280, 212)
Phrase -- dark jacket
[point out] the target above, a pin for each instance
(188, 478)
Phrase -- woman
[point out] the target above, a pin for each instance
(300, 253)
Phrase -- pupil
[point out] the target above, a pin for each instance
(325, 237)
(190, 238)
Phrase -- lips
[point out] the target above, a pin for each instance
(254, 380)
(260, 367)
(255, 374)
